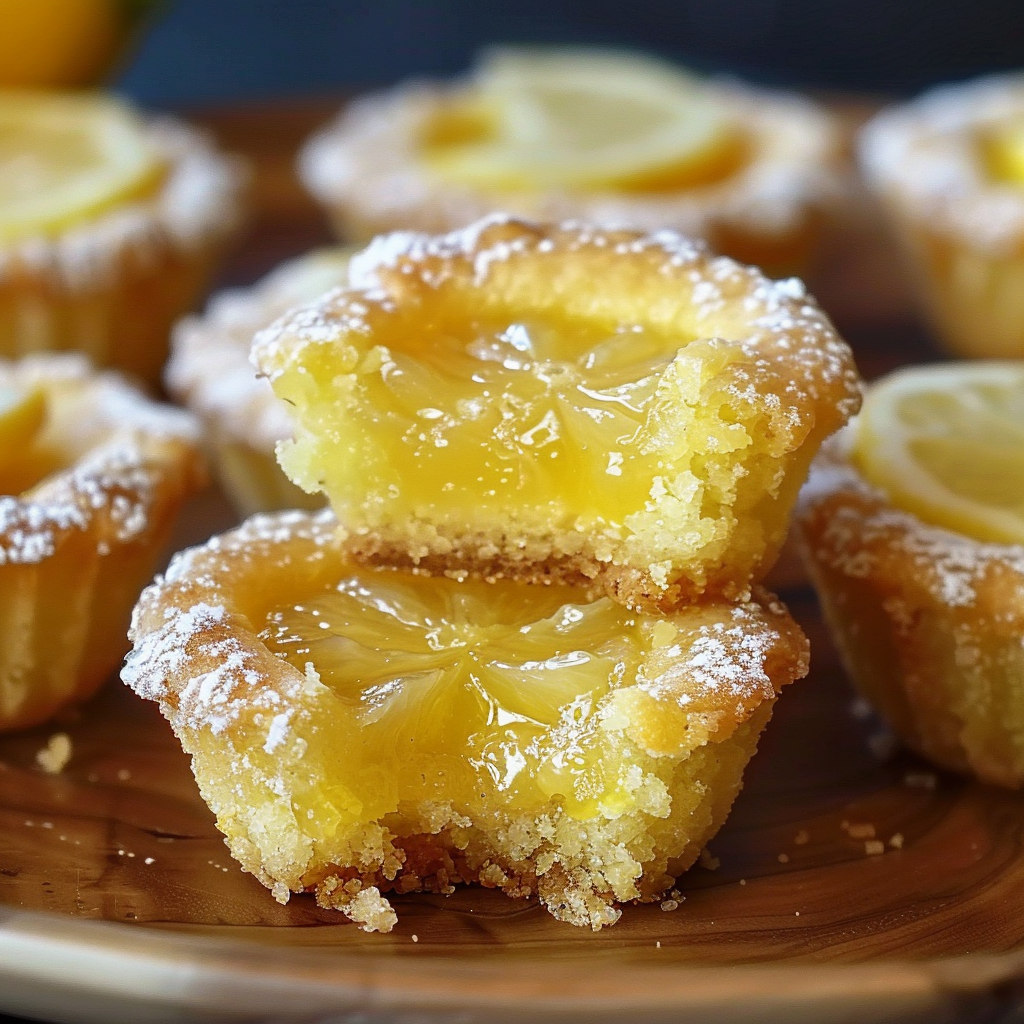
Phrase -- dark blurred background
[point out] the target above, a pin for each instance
(214, 50)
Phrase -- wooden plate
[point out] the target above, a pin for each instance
(119, 901)
(853, 881)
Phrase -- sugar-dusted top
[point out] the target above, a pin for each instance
(200, 201)
(861, 533)
(518, 266)
(369, 160)
(118, 451)
(197, 650)
(927, 156)
(209, 367)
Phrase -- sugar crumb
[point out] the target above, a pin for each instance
(802, 838)
(56, 754)
(709, 861)
(873, 847)
(896, 840)
(783, 858)
(920, 780)
(864, 830)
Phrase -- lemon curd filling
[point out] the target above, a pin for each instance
(466, 691)
(555, 415)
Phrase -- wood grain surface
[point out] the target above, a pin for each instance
(851, 881)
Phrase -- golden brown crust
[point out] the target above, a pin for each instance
(79, 544)
(256, 727)
(928, 621)
(767, 362)
(367, 170)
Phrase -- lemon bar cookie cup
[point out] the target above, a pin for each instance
(561, 402)
(210, 373)
(361, 730)
(110, 282)
(949, 169)
(92, 476)
(912, 534)
(537, 133)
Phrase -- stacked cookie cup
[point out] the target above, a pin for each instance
(527, 645)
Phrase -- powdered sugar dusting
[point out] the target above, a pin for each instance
(782, 329)
(110, 483)
(863, 535)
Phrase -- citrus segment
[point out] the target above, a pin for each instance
(465, 679)
(947, 443)
(584, 120)
(65, 159)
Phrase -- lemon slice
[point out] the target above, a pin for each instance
(1004, 150)
(947, 443)
(65, 159)
(22, 415)
(590, 120)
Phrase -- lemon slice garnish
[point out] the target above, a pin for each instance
(22, 415)
(947, 443)
(588, 120)
(1004, 152)
(65, 159)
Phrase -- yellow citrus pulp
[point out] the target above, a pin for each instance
(947, 443)
(67, 158)
(537, 119)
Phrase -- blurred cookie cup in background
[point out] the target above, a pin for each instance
(593, 135)
(949, 170)
(210, 373)
(92, 475)
(912, 530)
(111, 227)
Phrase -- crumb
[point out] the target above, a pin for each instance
(882, 744)
(658, 944)
(860, 708)
(796, 913)
(150, 860)
(802, 837)
(783, 858)
(863, 830)
(415, 938)
(873, 847)
(920, 780)
(743, 881)
(709, 861)
(124, 775)
(56, 754)
(669, 905)
(896, 841)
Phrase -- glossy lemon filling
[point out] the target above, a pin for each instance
(465, 691)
